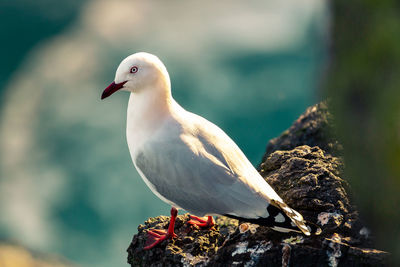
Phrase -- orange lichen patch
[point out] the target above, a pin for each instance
(244, 227)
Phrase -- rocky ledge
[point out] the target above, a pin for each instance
(303, 166)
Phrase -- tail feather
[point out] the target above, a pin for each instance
(306, 227)
(294, 216)
(287, 221)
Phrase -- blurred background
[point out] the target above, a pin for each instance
(67, 184)
(363, 83)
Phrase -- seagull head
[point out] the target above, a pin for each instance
(140, 73)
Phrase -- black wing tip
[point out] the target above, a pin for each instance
(313, 229)
(281, 222)
(269, 222)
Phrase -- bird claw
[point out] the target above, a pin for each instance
(156, 236)
(202, 222)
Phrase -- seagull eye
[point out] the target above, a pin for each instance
(134, 69)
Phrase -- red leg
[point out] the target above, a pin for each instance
(156, 236)
(202, 222)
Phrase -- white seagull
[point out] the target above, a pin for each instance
(189, 162)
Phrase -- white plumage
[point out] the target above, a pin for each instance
(187, 161)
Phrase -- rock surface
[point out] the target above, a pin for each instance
(313, 128)
(302, 167)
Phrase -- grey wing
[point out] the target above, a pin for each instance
(186, 172)
(216, 141)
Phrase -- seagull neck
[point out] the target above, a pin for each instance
(151, 102)
(146, 112)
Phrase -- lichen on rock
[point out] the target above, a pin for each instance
(193, 246)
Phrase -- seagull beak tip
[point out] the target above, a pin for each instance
(112, 88)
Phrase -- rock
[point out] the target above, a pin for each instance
(313, 128)
(192, 247)
(310, 180)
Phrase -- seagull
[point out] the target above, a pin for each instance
(189, 162)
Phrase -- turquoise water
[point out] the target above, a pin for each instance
(67, 182)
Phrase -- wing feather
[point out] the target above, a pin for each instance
(202, 171)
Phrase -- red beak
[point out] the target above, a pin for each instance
(111, 89)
